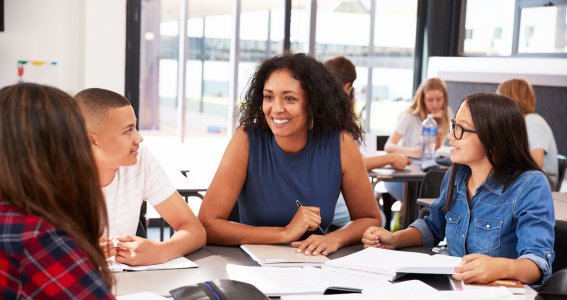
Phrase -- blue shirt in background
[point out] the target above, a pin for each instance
(513, 221)
(275, 179)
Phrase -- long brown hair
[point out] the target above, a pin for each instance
(418, 108)
(501, 129)
(47, 167)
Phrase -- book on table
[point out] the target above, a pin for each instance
(391, 264)
(281, 256)
(176, 263)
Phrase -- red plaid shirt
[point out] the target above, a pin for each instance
(39, 261)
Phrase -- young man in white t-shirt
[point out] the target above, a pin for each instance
(129, 175)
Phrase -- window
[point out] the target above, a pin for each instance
(512, 27)
(343, 27)
(543, 29)
(489, 27)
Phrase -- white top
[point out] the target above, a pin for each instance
(409, 126)
(144, 181)
(541, 137)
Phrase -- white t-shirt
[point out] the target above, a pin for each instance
(541, 137)
(409, 126)
(144, 181)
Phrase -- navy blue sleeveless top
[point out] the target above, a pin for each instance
(276, 179)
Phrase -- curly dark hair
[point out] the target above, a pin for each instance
(328, 107)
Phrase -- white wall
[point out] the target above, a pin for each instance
(85, 37)
(538, 71)
(105, 44)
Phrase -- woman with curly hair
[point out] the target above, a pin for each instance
(297, 140)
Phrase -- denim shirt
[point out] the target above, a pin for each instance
(511, 221)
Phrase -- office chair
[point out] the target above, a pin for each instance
(387, 199)
(555, 287)
(142, 229)
(234, 213)
(560, 246)
(562, 164)
(430, 190)
(381, 142)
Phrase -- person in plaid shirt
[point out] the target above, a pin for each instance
(52, 211)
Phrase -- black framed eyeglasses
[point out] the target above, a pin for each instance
(458, 130)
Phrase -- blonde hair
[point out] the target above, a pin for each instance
(418, 108)
(521, 91)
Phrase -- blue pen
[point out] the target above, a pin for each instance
(318, 227)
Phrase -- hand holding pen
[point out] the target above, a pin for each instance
(316, 244)
(306, 218)
(321, 231)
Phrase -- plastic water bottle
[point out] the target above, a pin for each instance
(428, 138)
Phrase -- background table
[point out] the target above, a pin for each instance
(411, 176)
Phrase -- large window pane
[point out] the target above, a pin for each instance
(343, 29)
(489, 27)
(543, 30)
(207, 67)
(261, 37)
(393, 62)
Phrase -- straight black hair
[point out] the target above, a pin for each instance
(501, 128)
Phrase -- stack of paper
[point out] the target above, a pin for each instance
(177, 263)
(281, 256)
(390, 264)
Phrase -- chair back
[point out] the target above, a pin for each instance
(430, 188)
(142, 230)
(234, 213)
(560, 246)
(381, 142)
(562, 163)
(431, 184)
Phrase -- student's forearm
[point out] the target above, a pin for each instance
(227, 233)
(185, 240)
(373, 162)
(409, 237)
(521, 269)
(352, 233)
(394, 148)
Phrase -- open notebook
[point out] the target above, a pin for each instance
(281, 256)
(390, 264)
(308, 280)
(177, 263)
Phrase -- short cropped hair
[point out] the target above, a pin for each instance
(95, 103)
